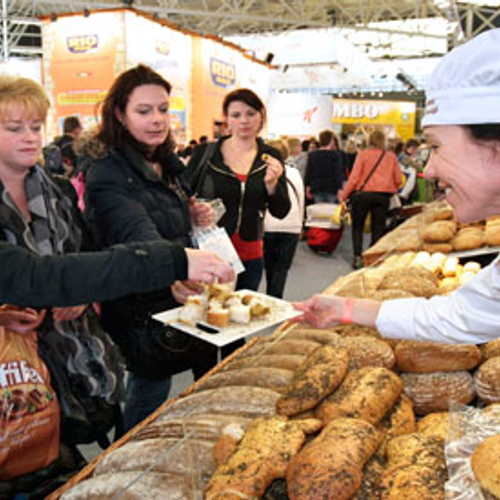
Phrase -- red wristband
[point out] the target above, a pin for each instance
(347, 311)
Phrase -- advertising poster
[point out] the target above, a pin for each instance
(299, 114)
(168, 52)
(397, 118)
(81, 57)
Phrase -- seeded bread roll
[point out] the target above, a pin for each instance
(433, 392)
(330, 466)
(490, 349)
(367, 394)
(427, 357)
(319, 375)
(487, 381)
(434, 424)
(485, 462)
(276, 379)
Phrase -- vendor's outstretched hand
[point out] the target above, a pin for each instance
(208, 267)
(320, 311)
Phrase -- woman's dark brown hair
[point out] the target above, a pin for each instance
(111, 131)
(247, 96)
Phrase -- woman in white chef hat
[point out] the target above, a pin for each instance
(462, 128)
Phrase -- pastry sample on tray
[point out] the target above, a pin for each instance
(219, 306)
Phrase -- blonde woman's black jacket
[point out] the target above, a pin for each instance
(246, 203)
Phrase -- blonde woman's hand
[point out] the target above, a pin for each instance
(20, 320)
(202, 213)
(181, 290)
(320, 311)
(67, 313)
(273, 172)
(207, 267)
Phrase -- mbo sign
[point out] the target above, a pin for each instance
(349, 109)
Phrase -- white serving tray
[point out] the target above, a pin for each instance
(281, 310)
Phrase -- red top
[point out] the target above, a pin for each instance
(247, 250)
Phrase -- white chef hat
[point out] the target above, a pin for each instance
(464, 88)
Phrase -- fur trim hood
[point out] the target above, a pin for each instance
(88, 145)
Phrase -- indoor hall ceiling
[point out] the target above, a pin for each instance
(230, 17)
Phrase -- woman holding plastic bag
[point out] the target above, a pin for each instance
(462, 128)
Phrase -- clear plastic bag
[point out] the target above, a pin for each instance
(468, 427)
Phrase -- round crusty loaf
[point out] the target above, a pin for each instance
(432, 392)
(427, 357)
(416, 280)
(487, 381)
(485, 462)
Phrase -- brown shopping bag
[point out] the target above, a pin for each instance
(29, 411)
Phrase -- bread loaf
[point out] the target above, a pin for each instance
(433, 392)
(434, 425)
(206, 427)
(468, 239)
(243, 401)
(330, 466)
(485, 462)
(492, 235)
(301, 332)
(161, 455)
(439, 231)
(284, 361)
(276, 379)
(443, 213)
(427, 357)
(487, 381)
(437, 247)
(354, 330)
(490, 349)
(317, 377)
(370, 482)
(151, 486)
(271, 346)
(416, 280)
(367, 394)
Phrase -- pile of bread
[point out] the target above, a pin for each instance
(219, 306)
(436, 230)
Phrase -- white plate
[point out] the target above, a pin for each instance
(281, 310)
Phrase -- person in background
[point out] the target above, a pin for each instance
(372, 197)
(410, 166)
(134, 192)
(72, 128)
(462, 129)
(325, 174)
(281, 236)
(247, 175)
(202, 139)
(351, 151)
(297, 157)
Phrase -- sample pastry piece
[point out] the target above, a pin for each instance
(487, 381)
(485, 463)
(218, 316)
(207, 427)
(433, 392)
(175, 456)
(240, 400)
(261, 457)
(316, 378)
(239, 313)
(426, 357)
(285, 361)
(276, 379)
(330, 466)
(435, 424)
(368, 394)
(150, 486)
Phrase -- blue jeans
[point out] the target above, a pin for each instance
(143, 398)
(250, 278)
